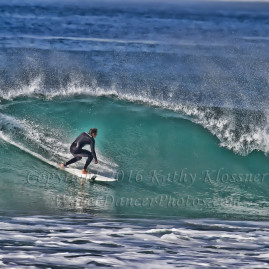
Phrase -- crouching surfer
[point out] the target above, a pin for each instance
(78, 152)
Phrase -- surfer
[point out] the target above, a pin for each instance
(77, 151)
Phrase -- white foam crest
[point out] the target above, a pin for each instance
(25, 90)
(222, 127)
(256, 139)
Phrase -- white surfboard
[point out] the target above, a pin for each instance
(91, 176)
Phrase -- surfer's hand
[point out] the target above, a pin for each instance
(96, 162)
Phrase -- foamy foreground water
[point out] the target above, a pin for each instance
(83, 241)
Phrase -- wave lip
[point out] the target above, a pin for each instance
(242, 131)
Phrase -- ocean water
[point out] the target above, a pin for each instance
(179, 92)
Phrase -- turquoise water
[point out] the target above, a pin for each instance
(165, 161)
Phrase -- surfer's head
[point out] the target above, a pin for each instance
(93, 132)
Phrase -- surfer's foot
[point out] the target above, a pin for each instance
(62, 165)
(84, 171)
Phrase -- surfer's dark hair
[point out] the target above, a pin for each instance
(93, 131)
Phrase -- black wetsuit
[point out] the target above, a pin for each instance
(78, 152)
